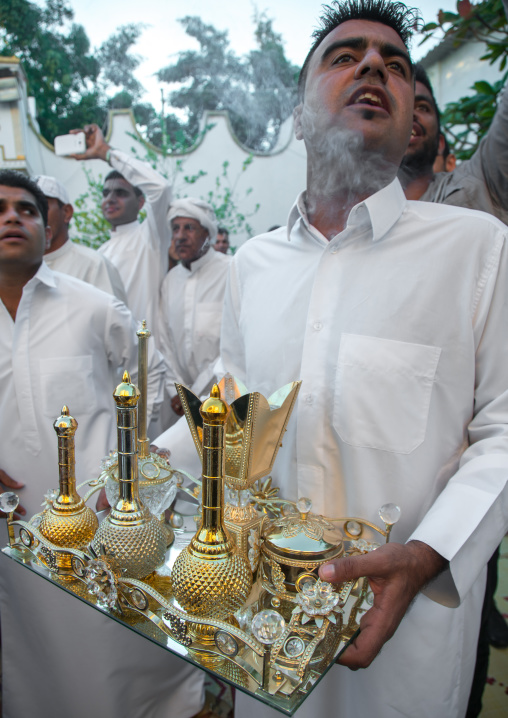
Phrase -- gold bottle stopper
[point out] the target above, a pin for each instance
(68, 521)
(211, 579)
(134, 540)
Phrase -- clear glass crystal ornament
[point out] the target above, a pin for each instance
(267, 626)
(389, 513)
(9, 501)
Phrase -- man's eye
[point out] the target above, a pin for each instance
(343, 58)
(397, 66)
(422, 107)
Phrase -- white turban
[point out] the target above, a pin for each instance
(196, 209)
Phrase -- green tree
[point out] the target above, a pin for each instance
(467, 120)
(73, 83)
(258, 90)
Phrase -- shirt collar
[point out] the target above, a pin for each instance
(381, 210)
(124, 228)
(44, 275)
(198, 263)
(66, 246)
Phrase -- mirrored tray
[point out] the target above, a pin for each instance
(281, 674)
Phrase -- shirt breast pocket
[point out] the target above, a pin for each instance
(208, 319)
(382, 392)
(69, 381)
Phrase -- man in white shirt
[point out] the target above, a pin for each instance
(64, 255)
(63, 341)
(138, 250)
(192, 296)
(393, 313)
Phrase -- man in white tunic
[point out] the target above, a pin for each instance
(139, 250)
(394, 315)
(192, 297)
(65, 342)
(64, 255)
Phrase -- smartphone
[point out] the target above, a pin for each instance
(70, 144)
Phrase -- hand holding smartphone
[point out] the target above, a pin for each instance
(70, 144)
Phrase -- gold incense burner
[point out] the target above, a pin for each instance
(67, 521)
(253, 434)
(210, 577)
(130, 534)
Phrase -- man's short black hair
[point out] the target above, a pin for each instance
(421, 76)
(223, 230)
(396, 15)
(116, 175)
(11, 178)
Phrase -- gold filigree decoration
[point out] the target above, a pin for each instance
(263, 494)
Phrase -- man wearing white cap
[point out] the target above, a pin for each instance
(63, 255)
(192, 295)
(138, 250)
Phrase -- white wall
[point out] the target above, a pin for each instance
(275, 179)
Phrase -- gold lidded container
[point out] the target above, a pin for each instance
(299, 543)
(210, 577)
(132, 538)
(68, 522)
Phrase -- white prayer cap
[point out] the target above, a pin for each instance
(195, 209)
(51, 187)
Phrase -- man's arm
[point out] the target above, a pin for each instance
(490, 161)
(455, 539)
(154, 186)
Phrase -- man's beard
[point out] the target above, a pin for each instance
(340, 162)
(418, 163)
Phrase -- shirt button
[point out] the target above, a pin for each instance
(318, 326)
(334, 250)
(308, 398)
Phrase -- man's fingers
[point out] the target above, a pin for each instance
(348, 568)
(8, 481)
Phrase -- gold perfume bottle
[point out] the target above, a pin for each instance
(156, 478)
(210, 577)
(133, 539)
(68, 522)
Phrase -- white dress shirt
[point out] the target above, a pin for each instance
(69, 345)
(88, 265)
(397, 327)
(190, 316)
(140, 250)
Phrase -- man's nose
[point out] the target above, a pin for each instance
(11, 214)
(372, 64)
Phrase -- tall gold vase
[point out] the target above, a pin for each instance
(210, 577)
(68, 522)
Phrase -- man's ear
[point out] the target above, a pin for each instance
(68, 211)
(297, 121)
(141, 201)
(49, 237)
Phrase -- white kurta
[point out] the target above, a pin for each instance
(190, 316)
(88, 265)
(140, 250)
(69, 345)
(397, 327)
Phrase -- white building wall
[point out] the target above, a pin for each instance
(274, 179)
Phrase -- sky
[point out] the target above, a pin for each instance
(163, 37)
